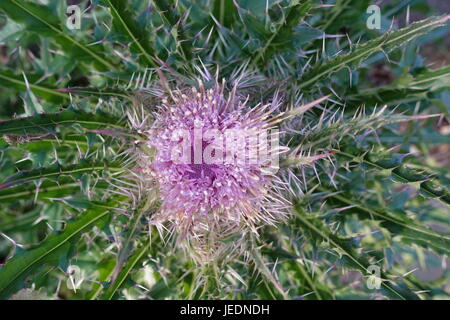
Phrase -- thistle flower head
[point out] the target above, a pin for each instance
(213, 160)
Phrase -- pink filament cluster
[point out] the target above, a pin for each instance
(189, 190)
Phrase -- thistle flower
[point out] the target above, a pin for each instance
(214, 161)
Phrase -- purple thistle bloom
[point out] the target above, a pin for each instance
(208, 178)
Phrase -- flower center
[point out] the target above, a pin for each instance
(202, 171)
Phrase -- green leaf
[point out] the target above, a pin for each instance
(124, 273)
(105, 270)
(39, 18)
(434, 80)
(307, 276)
(335, 12)
(225, 12)
(21, 222)
(318, 230)
(31, 104)
(398, 223)
(64, 186)
(46, 123)
(429, 187)
(284, 34)
(330, 131)
(51, 251)
(102, 93)
(125, 24)
(55, 171)
(168, 11)
(413, 89)
(263, 269)
(10, 80)
(391, 40)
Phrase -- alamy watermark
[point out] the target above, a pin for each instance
(374, 280)
(76, 277)
(73, 21)
(374, 19)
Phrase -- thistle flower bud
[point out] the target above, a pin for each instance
(213, 161)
